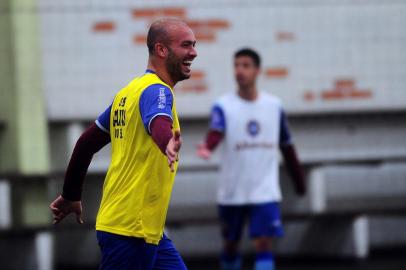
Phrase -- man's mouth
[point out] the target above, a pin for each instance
(187, 64)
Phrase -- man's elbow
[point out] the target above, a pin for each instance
(92, 140)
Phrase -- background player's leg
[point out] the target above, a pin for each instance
(232, 223)
(263, 256)
(122, 252)
(265, 222)
(168, 258)
(230, 257)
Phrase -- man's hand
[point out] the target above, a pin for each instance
(61, 207)
(300, 190)
(172, 149)
(203, 151)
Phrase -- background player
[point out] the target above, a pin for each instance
(143, 128)
(251, 125)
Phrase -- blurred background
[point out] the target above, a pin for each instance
(339, 67)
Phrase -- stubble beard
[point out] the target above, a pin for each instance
(174, 67)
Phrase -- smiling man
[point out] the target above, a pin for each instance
(143, 128)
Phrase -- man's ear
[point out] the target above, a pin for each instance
(161, 50)
(258, 71)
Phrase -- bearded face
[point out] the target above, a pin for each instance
(178, 66)
(177, 51)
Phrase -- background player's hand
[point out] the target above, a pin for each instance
(61, 207)
(300, 190)
(172, 149)
(203, 151)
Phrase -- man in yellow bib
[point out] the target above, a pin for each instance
(143, 128)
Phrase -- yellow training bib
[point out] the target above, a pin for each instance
(138, 184)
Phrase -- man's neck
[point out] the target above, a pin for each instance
(249, 93)
(161, 72)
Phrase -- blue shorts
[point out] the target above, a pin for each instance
(264, 220)
(130, 253)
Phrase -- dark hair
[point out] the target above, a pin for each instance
(250, 53)
(157, 33)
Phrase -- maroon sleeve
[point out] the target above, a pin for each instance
(213, 138)
(90, 142)
(161, 131)
(294, 168)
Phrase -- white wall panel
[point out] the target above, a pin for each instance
(327, 55)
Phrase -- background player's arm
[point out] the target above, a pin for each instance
(215, 134)
(91, 141)
(290, 157)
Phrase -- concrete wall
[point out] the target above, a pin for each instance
(24, 139)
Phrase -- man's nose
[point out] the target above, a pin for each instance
(193, 52)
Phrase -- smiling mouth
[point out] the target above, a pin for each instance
(187, 64)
